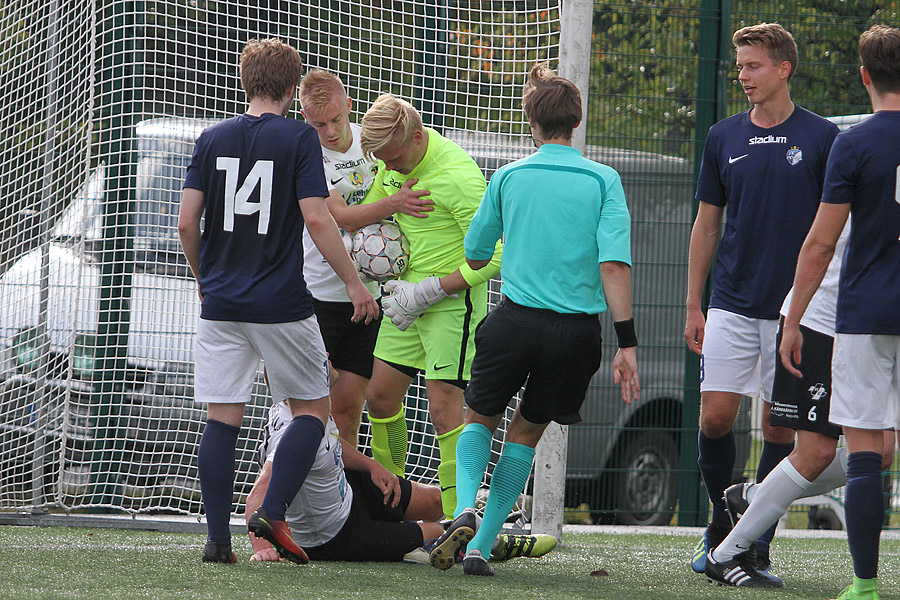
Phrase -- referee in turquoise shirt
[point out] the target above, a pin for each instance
(567, 238)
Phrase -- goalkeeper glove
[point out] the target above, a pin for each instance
(406, 301)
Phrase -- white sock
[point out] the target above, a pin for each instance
(771, 499)
(833, 477)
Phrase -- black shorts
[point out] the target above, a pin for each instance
(349, 345)
(557, 353)
(374, 531)
(804, 403)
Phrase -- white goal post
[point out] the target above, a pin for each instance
(101, 104)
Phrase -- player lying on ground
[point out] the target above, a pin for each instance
(351, 508)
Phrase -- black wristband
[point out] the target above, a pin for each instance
(625, 333)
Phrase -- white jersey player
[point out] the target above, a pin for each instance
(350, 508)
(356, 511)
(348, 174)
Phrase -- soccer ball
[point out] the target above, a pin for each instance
(381, 251)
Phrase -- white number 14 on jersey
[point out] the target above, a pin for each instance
(237, 201)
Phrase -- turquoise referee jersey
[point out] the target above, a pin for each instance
(560, 216)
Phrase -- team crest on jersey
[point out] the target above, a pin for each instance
(817, 392)
(794, 155)
(356, 179)
(325, 160)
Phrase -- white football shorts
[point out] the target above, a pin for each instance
(227, 356)
(865, 380)
(738, 354)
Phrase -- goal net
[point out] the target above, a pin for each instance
(102, 101)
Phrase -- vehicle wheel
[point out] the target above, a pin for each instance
(823, 517)
(645, 482)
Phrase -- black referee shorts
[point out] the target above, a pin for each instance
(804, 403)
(557, 353)
(349, 345)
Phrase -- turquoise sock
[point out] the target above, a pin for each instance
(473, 451)
(507, 482)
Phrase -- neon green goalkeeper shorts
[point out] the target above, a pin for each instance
(442, 341)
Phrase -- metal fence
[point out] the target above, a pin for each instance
(662, 73)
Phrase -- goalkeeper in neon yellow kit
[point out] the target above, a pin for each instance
(434, 309)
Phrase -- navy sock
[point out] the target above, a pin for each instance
(294, 458)
(215, 469)
(864, 510)
(771, 455)
(716, 462)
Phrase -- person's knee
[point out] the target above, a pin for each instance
(430, 530)
(425, 503)
(718, 411)
(820, 455)
(382, 404)
(434, 503)
(346, 413)
(445, 405)
(445, 418)
(777, 435)
(715, 423)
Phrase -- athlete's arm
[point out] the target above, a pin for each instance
(407, 301)
(386, 481)
(262, 549)
(324, 233)
(485, 228)
(812, 262)
(616, 278)
(464, 209)
(477, 264)
(408, 201)
(455, 282)
(189, 215)
(704, 237)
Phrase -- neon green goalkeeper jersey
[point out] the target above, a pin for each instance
(457, 186)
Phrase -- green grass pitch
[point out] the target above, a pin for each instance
(80, 563)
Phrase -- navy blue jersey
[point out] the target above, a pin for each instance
(252, 172)
(863, 170)
(770, 182)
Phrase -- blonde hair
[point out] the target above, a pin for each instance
(389, 120)
(774, 39)
(552, 102)
(319, 88)
(269, 68)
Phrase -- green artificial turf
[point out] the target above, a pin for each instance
(58, 562)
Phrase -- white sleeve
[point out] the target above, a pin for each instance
(279, 418)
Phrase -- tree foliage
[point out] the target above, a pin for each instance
(644, 64)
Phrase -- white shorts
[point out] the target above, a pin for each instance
(865, 381)
(227, 358)
(738, 354)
